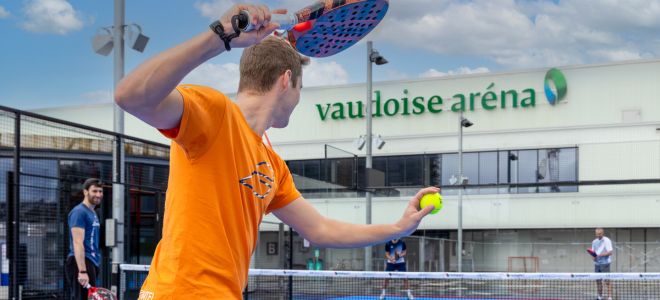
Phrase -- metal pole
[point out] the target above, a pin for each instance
(368, 162)
(441, 250)
(118, 150)
(290, 262)
(459, 245)
(13, 214)
(280, 246)
(422, 254)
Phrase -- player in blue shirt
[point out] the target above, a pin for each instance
(395, 252)
(82, 264)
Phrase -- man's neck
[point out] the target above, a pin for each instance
(257, 110)
(88, 204)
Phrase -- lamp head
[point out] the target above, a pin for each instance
(102, 42)
(136, 40)
(378, 142)
(360, 142)
(466, 123)
(376, 58)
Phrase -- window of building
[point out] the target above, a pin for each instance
(340, 171)
(487, 172)
(405, 170)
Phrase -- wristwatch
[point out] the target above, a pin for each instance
(83, 272)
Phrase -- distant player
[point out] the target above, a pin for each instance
(82, 263)
(395, 252)
(602, 247)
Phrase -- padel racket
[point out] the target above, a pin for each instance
(326, 27)
(97, 293)
(592, 252)
(397, 255)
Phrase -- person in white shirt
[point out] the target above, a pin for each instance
(603, 248)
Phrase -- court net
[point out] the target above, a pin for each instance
(346, 285)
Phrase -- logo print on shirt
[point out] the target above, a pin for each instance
(258, 181)
(146, 295)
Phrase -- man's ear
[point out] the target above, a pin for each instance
(286, 79)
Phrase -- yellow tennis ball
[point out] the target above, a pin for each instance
(429, 199)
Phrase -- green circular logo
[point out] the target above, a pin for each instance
(558, 81)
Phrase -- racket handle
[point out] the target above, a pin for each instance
(286, 21)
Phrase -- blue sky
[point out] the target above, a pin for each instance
(47, 59)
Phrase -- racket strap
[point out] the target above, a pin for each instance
(220, 31)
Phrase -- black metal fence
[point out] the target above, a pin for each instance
(43, 162)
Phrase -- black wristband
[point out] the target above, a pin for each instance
(83, 272)
(220, 31)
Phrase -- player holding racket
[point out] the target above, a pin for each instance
(395, 253)
(82, 264)
(602, 248)
(223, 179)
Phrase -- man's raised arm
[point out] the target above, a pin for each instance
(148, 92)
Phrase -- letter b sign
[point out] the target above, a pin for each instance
(271, 248)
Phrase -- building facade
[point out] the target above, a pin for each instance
(553, 154)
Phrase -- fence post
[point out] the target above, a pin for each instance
(280, 243)
(422, 253)
(290, 262)
(118, 207)
(13, 224)
(441, 260)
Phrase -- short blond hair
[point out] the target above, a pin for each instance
(263, 63)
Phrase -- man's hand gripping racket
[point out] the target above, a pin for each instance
(97, 293)
(326, 27)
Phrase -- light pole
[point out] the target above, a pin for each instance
(103, 44)
(372, 57)
(462, 122)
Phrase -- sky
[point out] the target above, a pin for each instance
(47, 60)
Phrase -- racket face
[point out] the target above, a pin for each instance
(95, 293)
(337, 26)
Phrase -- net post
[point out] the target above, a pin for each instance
(122, 283)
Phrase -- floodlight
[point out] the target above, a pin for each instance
(135, 39)
(378, 141)
(360, 142)
(102, 42)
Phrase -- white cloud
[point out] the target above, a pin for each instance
(512, 33)
(51, 16)
(102, 96)
(215, 8)
(324, 73)
(3, 13)
(526, 33)
(459, 71)
(223, 77)
(393, 74)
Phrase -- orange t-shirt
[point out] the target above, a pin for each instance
(222, 181)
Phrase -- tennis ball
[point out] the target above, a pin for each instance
(429, 199)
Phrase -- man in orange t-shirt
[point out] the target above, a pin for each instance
(223, 179)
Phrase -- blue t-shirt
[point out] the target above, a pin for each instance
(83, 217)
(394, 248)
